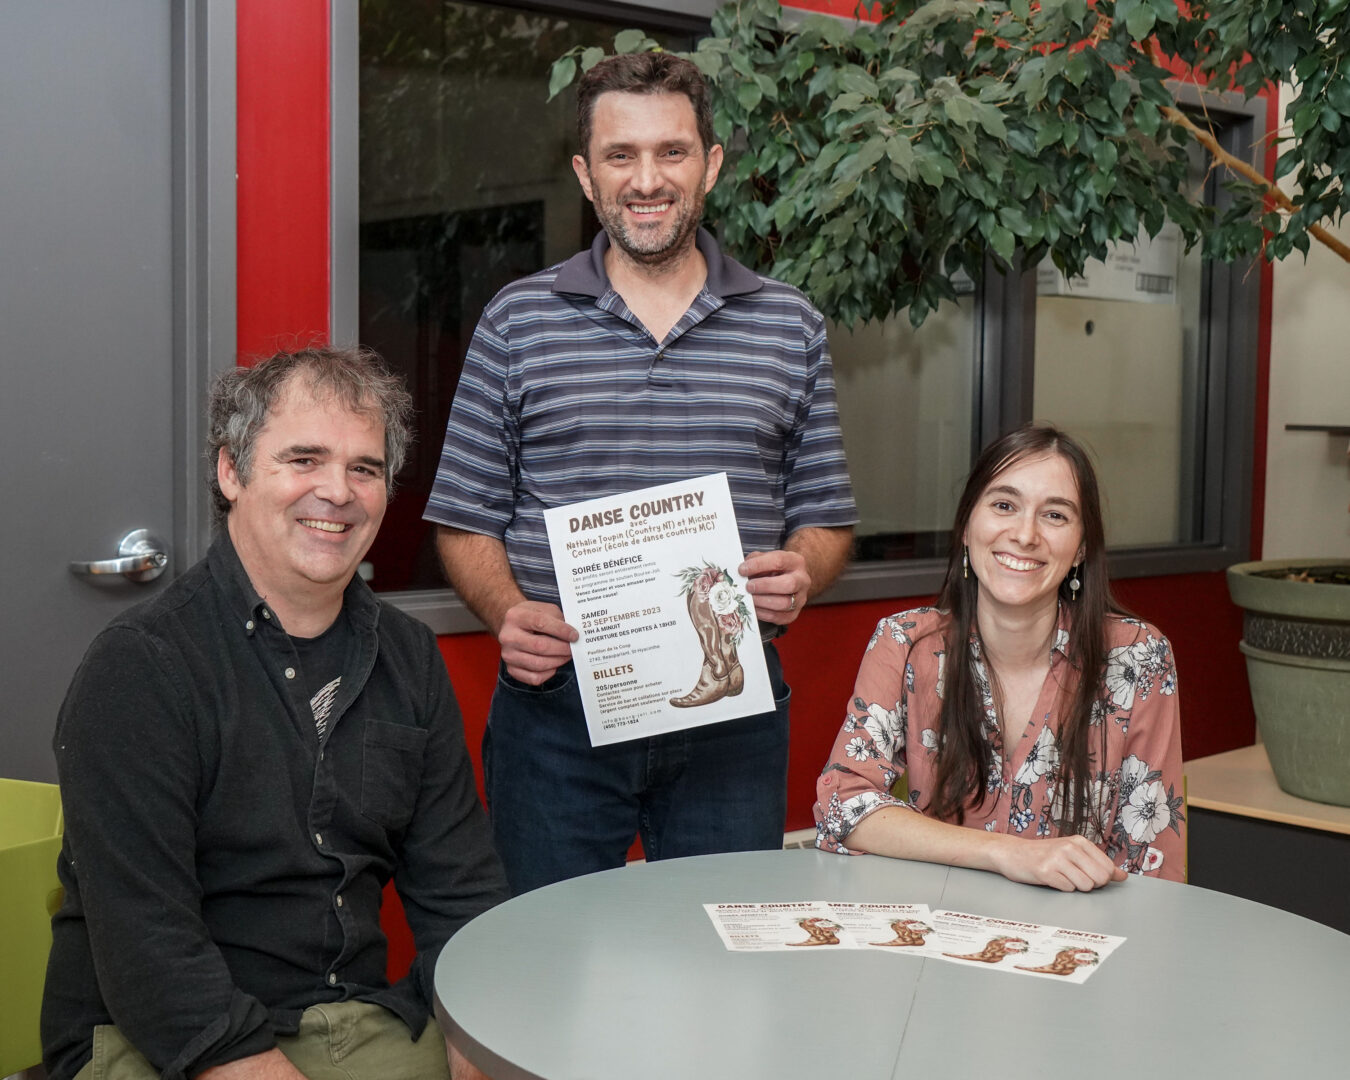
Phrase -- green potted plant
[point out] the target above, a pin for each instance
(871, 162)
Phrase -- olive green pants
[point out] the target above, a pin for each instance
(346, 1040)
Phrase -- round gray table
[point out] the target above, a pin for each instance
(621, 976)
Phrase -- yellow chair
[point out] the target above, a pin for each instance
(30, 839)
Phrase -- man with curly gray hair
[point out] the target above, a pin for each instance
(248, 758)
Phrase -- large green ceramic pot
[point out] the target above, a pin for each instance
(1296, 637)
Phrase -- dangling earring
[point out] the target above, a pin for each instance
(1074, 584)
(965, 562)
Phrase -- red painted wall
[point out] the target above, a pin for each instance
(283, 166)
(822, 651)
(283, 279)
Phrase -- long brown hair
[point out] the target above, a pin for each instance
(965, 757)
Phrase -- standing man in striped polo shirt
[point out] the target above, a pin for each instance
(650, 358)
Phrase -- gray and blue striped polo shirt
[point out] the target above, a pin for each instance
(565, 396)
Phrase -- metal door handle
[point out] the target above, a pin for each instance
(141, 558)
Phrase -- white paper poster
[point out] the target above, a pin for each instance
(1050, 952)
(806, 924)
(668, 636)
(977, 941)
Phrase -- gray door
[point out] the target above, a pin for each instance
(116, 302)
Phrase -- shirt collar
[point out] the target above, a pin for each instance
(584, 273)
(251, 611)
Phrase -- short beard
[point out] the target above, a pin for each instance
(681, 239)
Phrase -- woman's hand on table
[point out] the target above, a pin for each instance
(1067, 863)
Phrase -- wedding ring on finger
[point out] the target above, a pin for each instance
(792, 602)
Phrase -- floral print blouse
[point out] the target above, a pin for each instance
(891, 728)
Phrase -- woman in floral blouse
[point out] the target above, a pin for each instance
(1015, 763)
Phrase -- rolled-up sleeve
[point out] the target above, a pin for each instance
(869, 753)
(1150, 814)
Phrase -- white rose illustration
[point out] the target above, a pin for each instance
(722, 598)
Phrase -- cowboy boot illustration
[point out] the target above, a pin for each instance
(714, 679)
(819, 932)
(735, 680)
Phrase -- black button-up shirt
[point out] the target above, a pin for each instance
(223, 868)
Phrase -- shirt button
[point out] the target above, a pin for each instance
(266, 614)
(290, 673)
(332, 978)
(339, 900)
(248, 625)
(318, 838)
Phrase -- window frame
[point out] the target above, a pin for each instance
(1004, 369)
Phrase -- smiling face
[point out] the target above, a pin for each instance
(646, 173)
(1025, 534)
(312, 504)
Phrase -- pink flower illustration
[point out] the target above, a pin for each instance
(730, 623)
(706, 580)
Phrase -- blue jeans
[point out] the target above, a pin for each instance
(560, 807)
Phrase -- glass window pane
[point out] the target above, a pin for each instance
(1119, 363)
(905, 404)
(466, 184)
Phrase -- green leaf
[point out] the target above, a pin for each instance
(749, 95)
(1105, 155)
(835, 194)
(560, 76)
(892, 201)
(855, 80)
(1099, 110)
(1014, 220)
(872, 151)
(901, 153)
(1049, 134)
(1003, 243)
(1070, 136)
(991, 119)
(708, 62)
(1287, 163)
(928, 164)
(1331, 119)
(823, 81)
(1076, 68)
(629, 41)
(845, 102)
(1139, 22)
(1120, 96)
(1031, 81)
(1147, 118)
(1338, 94)
(1305, 117)
(831, 153)
(960, 110)
(592, 56)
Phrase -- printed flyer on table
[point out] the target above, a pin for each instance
(668, 635)
(981, 941)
